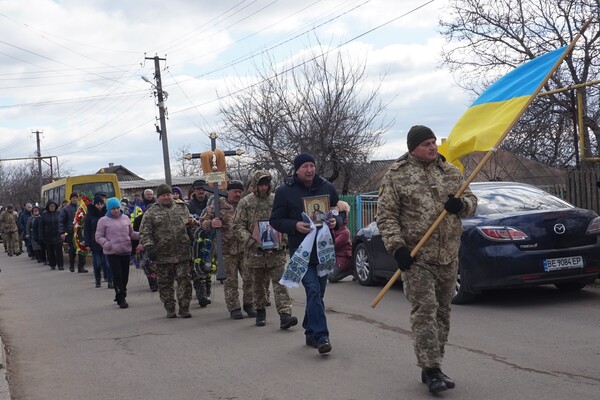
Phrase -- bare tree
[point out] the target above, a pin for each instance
(487, 38)
(320, 105)
(185, 167)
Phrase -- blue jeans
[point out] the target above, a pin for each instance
(315, 322)
(100, 261)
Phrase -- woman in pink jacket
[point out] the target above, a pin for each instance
(114, 234)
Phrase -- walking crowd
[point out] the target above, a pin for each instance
(173, 242)
(161, 235)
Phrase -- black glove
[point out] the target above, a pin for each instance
(152, 256)
(453, 205)
(403, 258)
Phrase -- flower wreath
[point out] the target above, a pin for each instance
(78, 224)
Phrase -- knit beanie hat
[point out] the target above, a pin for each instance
(162, 189)
(113, 202)
(417, 135)
(98, 199)
(178, 191)
(235, 185)
(301, 159)
(74, 194)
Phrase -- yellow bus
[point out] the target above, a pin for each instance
(87, 185)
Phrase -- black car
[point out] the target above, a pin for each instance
(519, 236)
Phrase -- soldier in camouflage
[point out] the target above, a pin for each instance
(164, 236)
(233, 251)
(414, 192)
(264, 264)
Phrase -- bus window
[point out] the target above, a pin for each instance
(89, 189)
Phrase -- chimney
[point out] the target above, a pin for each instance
(111, 164)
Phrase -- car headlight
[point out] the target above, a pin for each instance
(594, 227)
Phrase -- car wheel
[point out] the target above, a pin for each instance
(461, 296)
(571, 286)
(364, 271)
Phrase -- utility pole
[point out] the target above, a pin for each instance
(39, 160)
(163, 123)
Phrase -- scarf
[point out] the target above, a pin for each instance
(298, 264)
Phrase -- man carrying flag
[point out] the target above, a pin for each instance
(416, 189)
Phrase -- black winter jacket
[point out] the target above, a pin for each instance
(49, 233)
(289, 205)
(89, 227)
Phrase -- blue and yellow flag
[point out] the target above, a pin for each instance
(484, 123)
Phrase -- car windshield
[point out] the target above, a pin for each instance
(513, 198)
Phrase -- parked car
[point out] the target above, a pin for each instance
(519, 236)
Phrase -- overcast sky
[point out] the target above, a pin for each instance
(73, 69)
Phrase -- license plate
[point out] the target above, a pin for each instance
(557, 264)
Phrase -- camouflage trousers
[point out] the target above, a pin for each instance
(11, 242)
(261, 277)
(429, 289)
(233, 266)
(167, 274)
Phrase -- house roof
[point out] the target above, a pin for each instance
(503, 166)
(123, 174)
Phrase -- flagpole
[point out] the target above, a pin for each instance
(481, 164)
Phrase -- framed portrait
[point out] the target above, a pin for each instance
(316, 207)
(266, 235)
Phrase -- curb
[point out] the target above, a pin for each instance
(4, 390)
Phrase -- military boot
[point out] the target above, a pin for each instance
(450, 384)
(184, 312)
(208, 285)
(201, 294)
(249, 310)
(433, 379)
(171, 312)
(287, 321)
(236, 314)
(261, 317)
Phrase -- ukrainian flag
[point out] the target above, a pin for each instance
(499, 107)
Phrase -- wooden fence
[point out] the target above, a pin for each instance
(582, 190)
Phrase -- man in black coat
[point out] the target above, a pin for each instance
(286, 217)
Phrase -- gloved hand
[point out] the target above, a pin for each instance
(152, 256)
(453, 205)
(403, 258)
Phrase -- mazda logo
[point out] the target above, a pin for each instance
(559, 229)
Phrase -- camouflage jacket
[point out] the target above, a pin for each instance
(164, 230)
(232, 244)
(250, 210)
(8, 221)
(411, 198)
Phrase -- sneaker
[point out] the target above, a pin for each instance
(287, 321)
(324, 346)
(248, 309)
(434, 380)
(450, 384)
(236, 314)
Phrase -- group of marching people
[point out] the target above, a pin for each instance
(162, 235)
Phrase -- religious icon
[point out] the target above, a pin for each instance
(267, 236)
(316, 207)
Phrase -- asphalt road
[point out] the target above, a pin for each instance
(67, 340)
